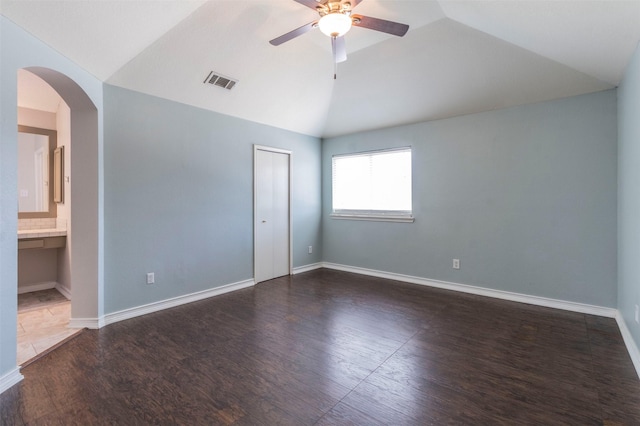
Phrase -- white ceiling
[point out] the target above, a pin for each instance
(458, 57)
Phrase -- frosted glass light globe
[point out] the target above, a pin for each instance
(335, 24)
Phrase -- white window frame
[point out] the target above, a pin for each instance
(372, 215)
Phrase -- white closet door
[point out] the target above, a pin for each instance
(271, 216)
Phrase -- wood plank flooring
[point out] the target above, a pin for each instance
(333, 348)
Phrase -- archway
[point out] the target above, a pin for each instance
(83, 238)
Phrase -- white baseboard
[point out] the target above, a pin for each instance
(10, 379)
(307, 268)
(176, 301)
(92, 323)
(65, 291)
(30, 288)
(632, 348)
(482, 291)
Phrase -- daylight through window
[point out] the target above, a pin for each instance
(373, 185)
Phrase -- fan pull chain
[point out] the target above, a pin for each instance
(334, 49)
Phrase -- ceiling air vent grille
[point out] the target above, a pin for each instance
(216, 79)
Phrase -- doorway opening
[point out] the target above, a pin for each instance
(58, 271)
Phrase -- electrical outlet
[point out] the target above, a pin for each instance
(638, 314)
(151, 278)
(310, 249)
(456, 263)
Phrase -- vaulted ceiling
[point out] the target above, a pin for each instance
(459, 57)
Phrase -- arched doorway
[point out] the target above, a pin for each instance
(83, 237)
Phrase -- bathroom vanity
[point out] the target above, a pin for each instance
(42, 232)
(42, 239)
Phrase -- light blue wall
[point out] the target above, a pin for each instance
(629, 195)
(525, 197)
(179, 197)
(20, 50)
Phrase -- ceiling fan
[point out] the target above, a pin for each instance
(336, 19)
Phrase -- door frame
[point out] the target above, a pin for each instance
(289, 154)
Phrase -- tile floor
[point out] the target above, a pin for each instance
(43, 317)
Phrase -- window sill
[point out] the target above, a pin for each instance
(374, 218)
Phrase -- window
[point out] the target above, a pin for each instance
(373, 185)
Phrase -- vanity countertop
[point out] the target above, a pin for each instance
(41, 233)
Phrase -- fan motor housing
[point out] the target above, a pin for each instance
(334, 7)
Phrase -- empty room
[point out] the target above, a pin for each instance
(257, 212)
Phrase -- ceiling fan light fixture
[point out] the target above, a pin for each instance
(335, 24)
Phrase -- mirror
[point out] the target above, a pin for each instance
(36, 172)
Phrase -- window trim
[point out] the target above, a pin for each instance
(372, 215)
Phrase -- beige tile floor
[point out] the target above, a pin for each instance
(42, 323)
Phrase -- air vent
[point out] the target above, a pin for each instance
(216, 79)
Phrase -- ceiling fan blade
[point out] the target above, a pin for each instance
(339, 48)
(381, 25)
(293, 34)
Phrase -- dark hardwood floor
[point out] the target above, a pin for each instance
(333, 348)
